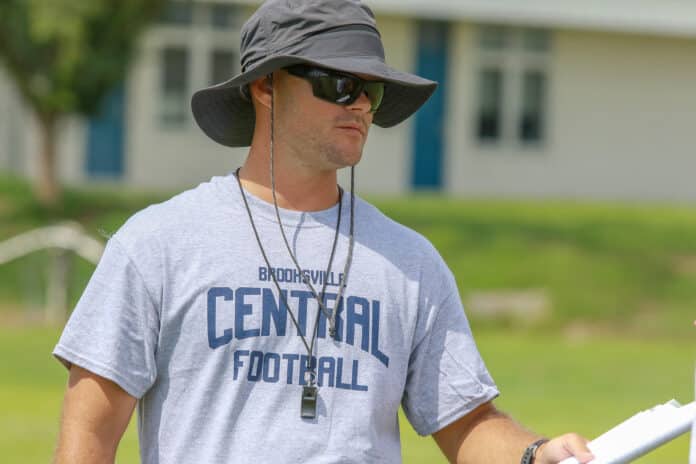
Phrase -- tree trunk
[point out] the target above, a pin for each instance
(46, 185)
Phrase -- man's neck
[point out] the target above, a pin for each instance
(296, 189)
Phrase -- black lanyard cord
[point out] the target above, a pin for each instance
(330, 315)
(309, 346)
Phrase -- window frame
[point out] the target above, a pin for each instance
(513, 60)
(202, 38)
(165, 116)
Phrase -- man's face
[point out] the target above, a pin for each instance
(318, 133)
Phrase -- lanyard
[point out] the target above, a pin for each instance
(309, 392)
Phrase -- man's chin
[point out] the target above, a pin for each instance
(344, 159)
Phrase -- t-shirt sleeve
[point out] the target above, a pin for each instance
(114, 328)
(446, 376)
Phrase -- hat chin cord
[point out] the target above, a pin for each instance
(309, 390)
(330, 315)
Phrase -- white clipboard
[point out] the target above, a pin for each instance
(692, 454)
(641, 433)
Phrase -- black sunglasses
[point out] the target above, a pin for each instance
(337, 87)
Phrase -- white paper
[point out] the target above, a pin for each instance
(692, 458)
(692, 455)
(641, 433)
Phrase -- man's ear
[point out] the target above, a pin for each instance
(262, 90)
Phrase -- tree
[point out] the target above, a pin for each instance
(64, 57)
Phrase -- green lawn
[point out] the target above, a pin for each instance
(626, 268)
(549, 383)
(621, 279)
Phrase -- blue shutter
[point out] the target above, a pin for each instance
(429, 133)
(105, 137)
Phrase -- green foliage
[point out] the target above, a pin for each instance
(65, 55)
(100, 211)
(614, 266)
(605, 267)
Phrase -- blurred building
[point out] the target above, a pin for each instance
(582, 98)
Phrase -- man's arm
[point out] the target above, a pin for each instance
(487, 435)
(96, 412)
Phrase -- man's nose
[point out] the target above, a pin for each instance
(362, 103)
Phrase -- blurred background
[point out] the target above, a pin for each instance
(553, 169)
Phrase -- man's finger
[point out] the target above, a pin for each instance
(570, 445)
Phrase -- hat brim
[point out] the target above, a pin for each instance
(227, 117)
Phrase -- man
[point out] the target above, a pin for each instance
(265, 316)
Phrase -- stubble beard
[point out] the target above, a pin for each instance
(328, 154)
(319, 150)
(339, 157)
(340, 151)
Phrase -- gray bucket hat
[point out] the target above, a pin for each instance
(336, 34)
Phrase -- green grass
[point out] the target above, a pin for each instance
(619, 267)
(549, 383)
(100, 210)
(623, 273)
(616, 265)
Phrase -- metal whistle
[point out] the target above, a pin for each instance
(308, 409)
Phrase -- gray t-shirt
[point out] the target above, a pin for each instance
(183, 314)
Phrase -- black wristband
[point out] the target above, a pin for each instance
(530, 453)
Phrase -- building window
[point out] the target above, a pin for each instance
(531, 120)
(535, 40)
(494, 38)
(174, 86)
(196, 46)
(490, 104)
(512, 85)
(224, 16)
(223, 65)
(177, 13)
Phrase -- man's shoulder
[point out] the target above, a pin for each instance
(388, 230)
(384, 240)
(179, 213)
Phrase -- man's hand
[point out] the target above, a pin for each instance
(563, 447)
(490, 436)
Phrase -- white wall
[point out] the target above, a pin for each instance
(6, 94)
(625, 115)
(20, 138)
(621, 122)
(664, 17)
(386, 164)
(161, 157)
(12, 128)
(72, 149)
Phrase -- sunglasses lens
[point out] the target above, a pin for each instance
(338, 89)
(375, 92)
(344, 90)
